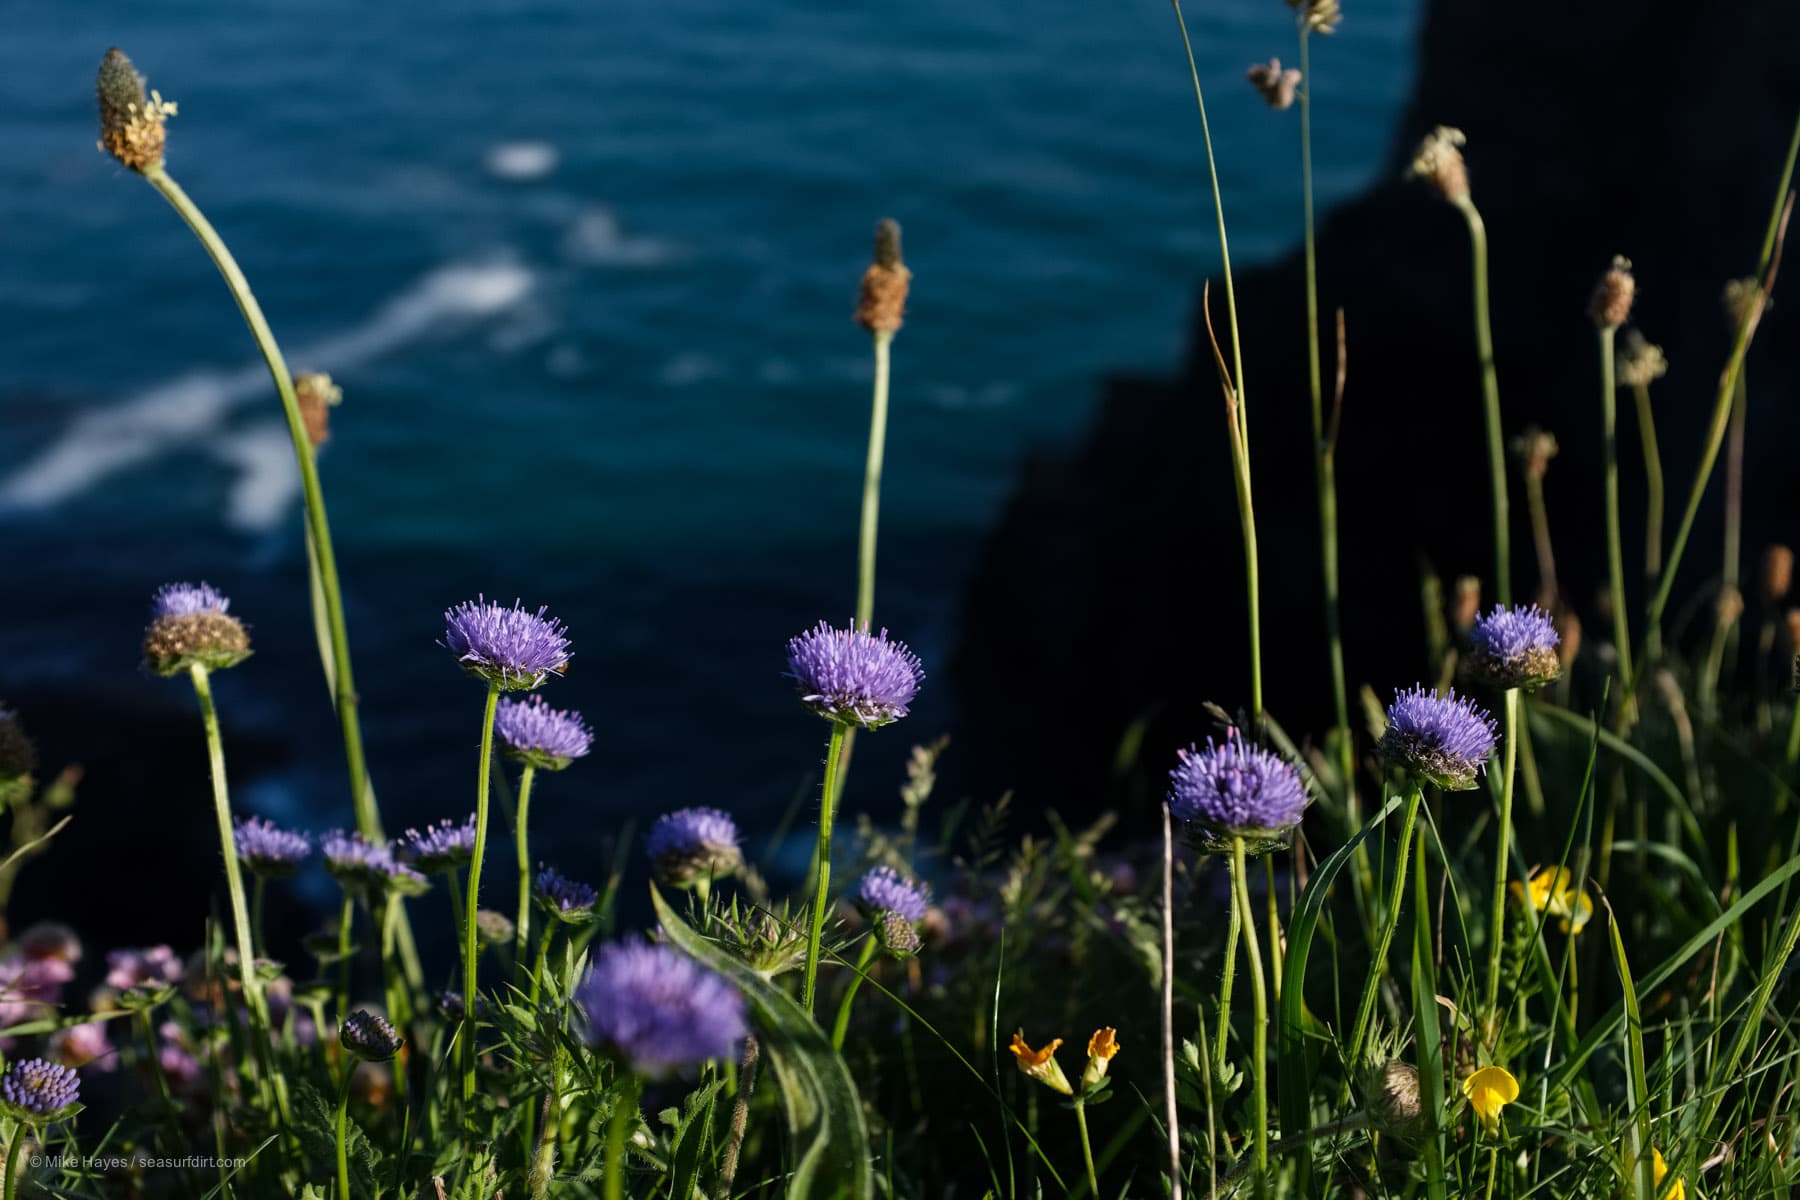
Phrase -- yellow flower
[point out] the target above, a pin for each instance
(1041, 1065)
(1658, 1169)
(1101, 1048)
(1554, 889)
(1489, 1090)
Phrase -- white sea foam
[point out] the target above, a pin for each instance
(268, 480)
(521, 160)
(597, 239)
(193, 408)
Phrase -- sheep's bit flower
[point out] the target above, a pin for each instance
(1041, 1065)
(1489, 1090)
(1553, 888)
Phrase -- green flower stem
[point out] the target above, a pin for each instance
(1653, 481)
(1233, 927)
(234, 884)
(471, 902)
(1734, 483)
(1237, 416)
(260, 940)
(1087, 1150)
(346, 916)
(543, 956)
(1615, 560)
(624, 1114)
(1168, 1005)
(1490, 396)
(1390, 921)
(12, 1159)
(1497, 927)
(822, 890)
(343, 1116)
(871, 499)
(841, 1026)
(318, 527)
(522, 927)
(1259, 1026)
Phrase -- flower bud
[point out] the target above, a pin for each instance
(1393, 1099)
(885, 284)
(1101, 1049)
(897, 935)
(317, 396)
(369, 1037)
(1439, 162)
(493, 928)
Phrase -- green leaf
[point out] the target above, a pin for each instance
(1430, 1042)
(689, 1140)
(1294, 1066)
(321, 626)
(824, 1113)
(1637, 1098)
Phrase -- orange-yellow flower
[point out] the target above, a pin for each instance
(1554, 889)
(1041, 1065)
(1658, 1169)
(1101, 1048)
(1489, 1090)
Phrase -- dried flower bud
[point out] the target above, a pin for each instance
(1740, 294)
(1611, 302)
(493, 928)
(1467, 604)
(1641, 361)
(1777, 572)
(1276, 85)
(131, 121)
(1439, 162)
(317, 396)
(1320, 16)
(1393, 1099)
(1534, 449)
(884, 286)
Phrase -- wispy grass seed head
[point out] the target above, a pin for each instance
(1318, 16)
(1276, 86)
(131, 119)
(190, 626)
(1441, 740)
(513, 648)
(1610, 305)
(532, 732)
(658, 1010)
(1236, 789)
(693, 844)
(1439, 162)
(1534, 449)
(1640, 361)
(1514, 648)
(854, 677)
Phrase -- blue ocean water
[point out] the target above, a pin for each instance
(585, 273)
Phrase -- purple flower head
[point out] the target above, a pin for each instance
(152, 968)
(885, 890)
(659, 1010)
(1441, 740)
(1515, 648)
(186, 599)
(268, 849)
(369, 1037)
(442, 847)
(190, 627)
(1235, 789)
(540, 736)
(693, 844)
(84, 1045)
(565, 898)
(357, 863)
(854, 677)
(34, 1089)
(511, 648)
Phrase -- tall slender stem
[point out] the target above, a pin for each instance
(1390, 921)
(1259, 1024)
(882, 340)
(1227, 973)
(522, 926)
(1087, 1149)
(1734, 484)
(471, 905)
(12, 1159)
(346, 915)
(1615, 557)
(1653, 503)
(543, 956)
(343, 1145)
(841, 1027)
(1496, 927)
(740, 1121)
(1490, 397)
(1168, 1000)
(623, 1114)
(822, 891)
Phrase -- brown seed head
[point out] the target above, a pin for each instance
(1611, 302)
(317, 396)
(1276, 85)
(1728, 605)
(1393, 1093)
(131, 120)
(884, 285)
(214, 640)
(1534, 449)
(1439, 162)
(1641, 361)
(1777, 572)
(1467, 604)
(1739, 294)
(1320, 16)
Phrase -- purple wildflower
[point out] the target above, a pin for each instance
(693, 844)
(512, 648)
(1441, 740)
(884, 889)
(440, 848)
(369, 1037)
(563, 897)
(34, 1088)
(190, 627)
(356, 862)
(533, 733)
(659, 1010)
(50, 940)
(84, 1045)
(1515, 648)
(152, 968)
(1235, 789)
(268, 849)
(852, 676)
(897, 935)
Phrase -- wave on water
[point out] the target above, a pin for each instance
(192, 408)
